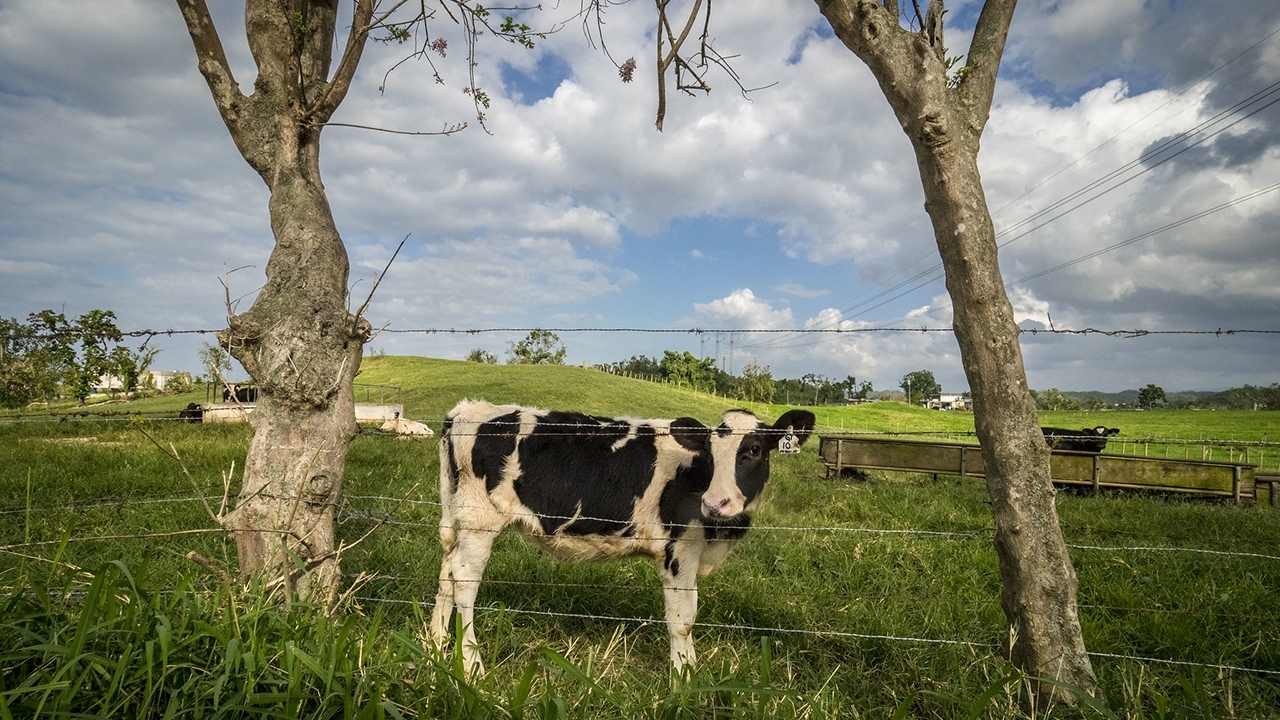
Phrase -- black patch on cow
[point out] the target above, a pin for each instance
(568, 468)
(669, 561)
(495, 441)
(691, 434)
(729, 529)
(446, 436)
(681, 501)
(753, 464)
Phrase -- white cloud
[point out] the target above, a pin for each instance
(120, 188)
(800, 290)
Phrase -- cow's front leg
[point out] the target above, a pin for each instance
(679, 570)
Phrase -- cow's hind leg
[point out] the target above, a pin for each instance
(460, 576)
(443, 611)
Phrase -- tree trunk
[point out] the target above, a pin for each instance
(944, 119)
(298, 342)
(302, 348)
(1038, 582)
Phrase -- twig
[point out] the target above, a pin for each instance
(222, 575)
(372, 290)
(173, 453)
(448, 129)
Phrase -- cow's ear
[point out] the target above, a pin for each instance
(690, 433)
(798, 422)
(1113, 431)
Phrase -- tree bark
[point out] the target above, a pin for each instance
(944, 122)
(299, 342)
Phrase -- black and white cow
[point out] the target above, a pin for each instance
(1090, 440)
(595, 488)
(242, 394)
(192, 414)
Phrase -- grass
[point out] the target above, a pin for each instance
(210, 657)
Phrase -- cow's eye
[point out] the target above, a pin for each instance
(755, 451)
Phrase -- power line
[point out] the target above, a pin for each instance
(1151, 154)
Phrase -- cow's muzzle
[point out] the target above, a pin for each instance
(719, 508)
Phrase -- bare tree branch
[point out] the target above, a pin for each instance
(985, 51)
(372, 290)
(212, 62)
(337, 88)
(448, 129)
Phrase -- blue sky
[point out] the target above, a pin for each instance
(796, 207)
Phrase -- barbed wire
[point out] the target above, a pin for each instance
(643, 621)
(715, 625)
(622, 430)
(347, 513)
(1128, 333)
(712, 586)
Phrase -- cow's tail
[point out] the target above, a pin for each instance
(448, 482)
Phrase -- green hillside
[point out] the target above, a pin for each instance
(430, 387)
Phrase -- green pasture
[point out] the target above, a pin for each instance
(837, 605)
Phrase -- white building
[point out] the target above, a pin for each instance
(947, 402)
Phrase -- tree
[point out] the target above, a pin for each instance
(637, 365)
(919, 385)
(215, 360)
(482, 356)
(1055, 399)
(757, 383)
(1151, 396)
(128, 366)
(539, 347)
(943, 115)
(682, 368)
(23, 379)
(299, 342)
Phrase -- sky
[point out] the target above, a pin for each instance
(1131, 164)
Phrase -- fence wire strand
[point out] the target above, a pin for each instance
(643, 621)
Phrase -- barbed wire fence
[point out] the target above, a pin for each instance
(149, 334)
(365, 508)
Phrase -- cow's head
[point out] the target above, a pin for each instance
(1101, 431)
(739, 451)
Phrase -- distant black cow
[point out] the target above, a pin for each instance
(1090, 440)
(595, 488)
(243, 394)
(192, 414)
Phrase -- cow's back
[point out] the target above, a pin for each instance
(580, 485)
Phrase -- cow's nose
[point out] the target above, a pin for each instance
(714, 508)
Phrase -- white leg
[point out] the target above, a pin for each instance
(443, 611)
(468, 561)
(680, 589)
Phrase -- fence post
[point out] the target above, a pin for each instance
(1097, 464)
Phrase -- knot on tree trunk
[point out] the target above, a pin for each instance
(299, 360)
(933, 128)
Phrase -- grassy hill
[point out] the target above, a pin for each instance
(815, 615)
(430, 387)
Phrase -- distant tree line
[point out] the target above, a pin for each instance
(1153, 397)
(755, 384)
(539, 347)
(50, 357)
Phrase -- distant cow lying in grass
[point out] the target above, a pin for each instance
(1090, 440)
(594, 488)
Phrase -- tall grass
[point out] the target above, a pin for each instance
(127, 630)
